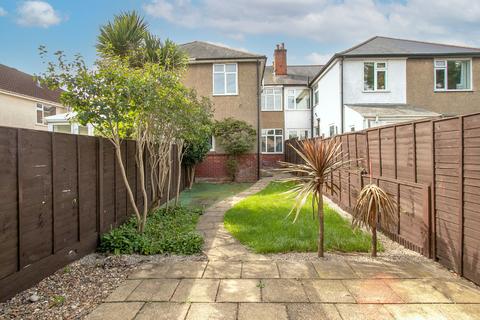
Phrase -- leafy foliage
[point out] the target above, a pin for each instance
(236, 136)
(166, 231)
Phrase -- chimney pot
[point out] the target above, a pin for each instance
(280, 60)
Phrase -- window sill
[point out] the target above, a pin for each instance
(272, 153)
(224, 94)
(272, 110)
(298, 109)
(41, 125)
(376, 91)
(462, 90)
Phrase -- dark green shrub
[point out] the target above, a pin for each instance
(171, 232)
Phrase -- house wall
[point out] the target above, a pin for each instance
(420, 78)
(243, 106)
(21, 112)
(353, 82)
(353, 118)
(328, 108)
(296, 119)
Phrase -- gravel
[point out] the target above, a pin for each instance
(75, 290)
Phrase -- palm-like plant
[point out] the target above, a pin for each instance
(322, 157)
(374, 206)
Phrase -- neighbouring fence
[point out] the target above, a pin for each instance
(58, 194)
(432, 170)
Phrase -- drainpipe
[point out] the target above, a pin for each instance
(342, 111)
(311, 107)
(258, 121)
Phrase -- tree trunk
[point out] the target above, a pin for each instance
(131, 197)
(191, 178)
(374, 241)
(179, 167)
(169, 176)
(141, 168)
(320, 223)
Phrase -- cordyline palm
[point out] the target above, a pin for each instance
(374, 206)
(321, 157)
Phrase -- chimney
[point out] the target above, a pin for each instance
(280, 60)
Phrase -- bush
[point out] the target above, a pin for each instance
(171, 231)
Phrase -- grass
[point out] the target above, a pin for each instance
(260, 222)
(205, 194)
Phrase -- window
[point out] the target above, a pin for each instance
(333, 130)
(453, 75)
(375, 76)
(315, 95)
(63, 128)
(298, 99)
(317, 131)
(272, 140)
(225, 79)
(44, 111)
(298, 133)
(352, 128)
(211, 142)
(272, 99)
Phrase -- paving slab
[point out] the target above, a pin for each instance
(313, 311)
(115, 311)
(364, 312)
(263, 311)
(239, 290)
(212, 311)
(459, 311)
(456, 291)
(333, 269)
(416, 311)
(186, 269)
(416, 291)
(154, 290)
(378, 269)
(283, 290)
(123, 291)
(223, 270)
(297, 270)
(151, 271)
(163, 311)
(196, 290)
(327, 291)
(371, 291)
(260, 270)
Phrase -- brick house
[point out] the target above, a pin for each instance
(232, 80)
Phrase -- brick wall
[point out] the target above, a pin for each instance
(213, 168)
(271, 160)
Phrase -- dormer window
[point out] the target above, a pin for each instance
(375, 76)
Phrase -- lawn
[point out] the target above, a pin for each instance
(205, 194)
(260, 222)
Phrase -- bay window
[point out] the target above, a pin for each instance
(298, 99)
(272, 140)
(272, 99)
(374, 76)
(451, 75)
(225, 79)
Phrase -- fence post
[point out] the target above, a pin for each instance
(100, 185)
(52, 177)
(427, 222)
(19, 200)
(79, 228)
(460, 199)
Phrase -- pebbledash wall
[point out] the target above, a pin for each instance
(243, 106)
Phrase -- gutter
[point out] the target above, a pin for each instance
(342, 107)
(259, 162)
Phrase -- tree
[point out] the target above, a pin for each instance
(237, 137)
(321, 158)
(374, 206)
(114, 98)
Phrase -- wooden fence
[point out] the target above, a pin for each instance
(58, 194)
(432, 170)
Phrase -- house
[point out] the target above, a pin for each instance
(232, 80)
(65, 123)
(285, 106)
(386, 80)
(24, 103)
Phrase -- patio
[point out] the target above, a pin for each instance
(237, 284)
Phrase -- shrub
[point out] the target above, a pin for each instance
(166, 231)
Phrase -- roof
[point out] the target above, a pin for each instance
(200, 50)
(380, 46)
(61, 117)
(300, 75)
(19, 82)
(392, 47)
(386, 110)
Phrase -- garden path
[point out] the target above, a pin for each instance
(234, 283)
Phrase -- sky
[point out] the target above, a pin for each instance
(312, 30)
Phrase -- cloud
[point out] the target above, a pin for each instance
(339, 24)
(3, 12)
(318, 58)
(37, 14)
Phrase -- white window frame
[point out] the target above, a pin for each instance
(297, 131)
(212, 146)
(224, 72)
(265, 135)
(41, 107)
(264, 99)
(375, 76)
(435, 68)
(335, 129)
(288, 90)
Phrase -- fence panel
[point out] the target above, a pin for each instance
(58, 193)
